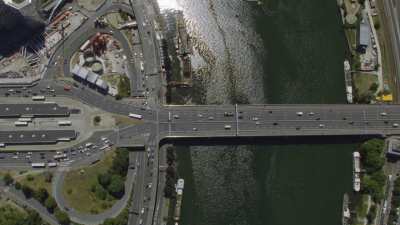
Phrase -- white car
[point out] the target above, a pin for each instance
(299, 113)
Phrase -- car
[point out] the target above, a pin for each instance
(299, 113)
(395, 125)
(10, 90)
(255, 118)
(210, 118)
(176, 116)
(194, 129)
(321, 125)
(228, 114)
(275, 123)
(142, 211)
(383, 114)
(67, 87)
(200, 115)
(258, 123)
(311, 113)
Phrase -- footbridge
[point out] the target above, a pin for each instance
(278, 120)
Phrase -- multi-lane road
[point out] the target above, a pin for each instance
(278, 120)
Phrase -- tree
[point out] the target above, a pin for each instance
(374, 86)
(372, 155)
(120, 162)
(27, 191)
(48, 177)
(117, 186)
(17, 185)
(29, 177)
(62, 217)
(8, 179)
(379, 177)
(96, 119)
(170, 172)
(170, 155)
(169, 189)
(372, 187)
(33, 218)
(396, 188)
(50, 204)
(41, 195)
(104, 179)
(100, 192)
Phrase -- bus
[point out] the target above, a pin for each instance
(60, 156)
(38, 165)
(25, 119)
(52, 164)
(38, 98)
(64, 123)
(136, 116)
(84, 46)
(21, 123)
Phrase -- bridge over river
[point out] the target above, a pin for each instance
(277, 120)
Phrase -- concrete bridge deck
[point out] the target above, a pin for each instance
(278, 120)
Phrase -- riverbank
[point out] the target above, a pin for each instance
(370, 83)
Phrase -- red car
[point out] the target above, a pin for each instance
(67, 87)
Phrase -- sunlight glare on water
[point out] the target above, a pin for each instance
(169, 5)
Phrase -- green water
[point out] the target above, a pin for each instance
(281, 184)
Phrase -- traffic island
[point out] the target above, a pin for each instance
(81, 190)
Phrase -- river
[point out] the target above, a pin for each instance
(291, 52)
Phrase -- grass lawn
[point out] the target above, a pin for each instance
(126, 120)
(77, 187)
(124, 86)
(351, 35)
(363, 82)
(35, 181)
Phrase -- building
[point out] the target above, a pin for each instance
(84, 75)
(102, 84)
(92, 78)
(80, 72)
(394, 148)
(364, 34)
